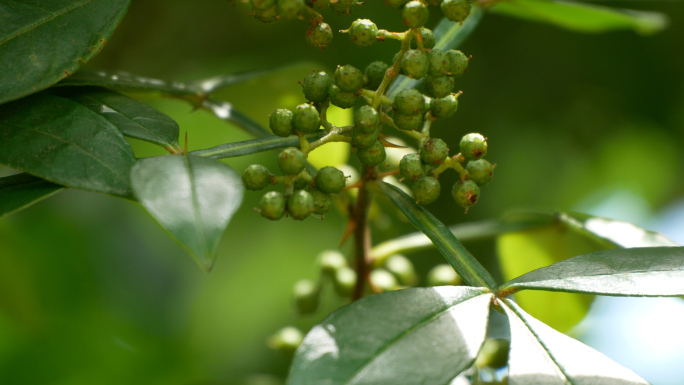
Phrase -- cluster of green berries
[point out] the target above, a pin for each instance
(415, 13)
(309, 194)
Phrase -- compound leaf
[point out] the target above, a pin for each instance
(192, 198)
(648, 271)
(412, 336)
(541, 355)
(44, 42)
(588, 18)
(22, 190)
(66, 143)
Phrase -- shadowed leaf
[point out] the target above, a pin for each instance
(20, 191)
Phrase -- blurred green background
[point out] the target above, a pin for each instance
(93, 292)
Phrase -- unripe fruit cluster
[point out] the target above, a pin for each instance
(364, 135)
(415, 169)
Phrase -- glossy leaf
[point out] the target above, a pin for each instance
(541, 355)
(463, 262)
(192, 198)
(412, 336)
(66, 143)
(247, 147)
(132, 118)
(22, 190)
(44, 42)
(649, 271)
(582, 17)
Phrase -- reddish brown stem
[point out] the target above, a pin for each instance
(362, 241)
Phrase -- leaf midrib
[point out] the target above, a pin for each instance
(195, 204)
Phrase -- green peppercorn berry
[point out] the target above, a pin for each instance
(272, 205)
(301, 182)
(291, 9)
(291, 161)
(343, 7)
(480, 171)
(402, 268)
(256, 177)
(362, 32)
(262, 4)
(375, 72)
(373, 155)
(306, 118)
(286, 340)
(319, 36)
(342, 99)
(442, 275)
(411, 167)
(362, 140)
(366, 119)
(439, 87)
(428, 39)
(281, 122)
(306, 296)
(330, 180)
(415, 63)
(395, 3)
(321, 202)
(383, 280)
(330, 261)
(318, 4)
(300, 205)
(316, 86)
(438, 63)
(457, 62)
(348, 78)
(415, 14)
(426, 190)
(409, 102)
(455, 10)
(493, 353)
(434, 151)
(465, 193)
(344, 281)
(268, 15)
(445, 107)
(473, 146)
(409, 122)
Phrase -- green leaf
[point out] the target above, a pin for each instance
(541, 355)
(66, 143)
(20, 191)
(463, 262)
(588, 18)
(192, 198)
(225, 111)
(247, 147)
(46, 41)
(647, 271)
(132, 118)
(411, 336)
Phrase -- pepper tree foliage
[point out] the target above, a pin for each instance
(61, 129)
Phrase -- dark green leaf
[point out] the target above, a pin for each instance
(412, 336)
(132, 118)
(22, 190)
(127, 81)
(66, 143)
(42, 42)
(541, 355)
(253, 146)
(648, 271)
(192, 198)
(589, 18)
(463, 262)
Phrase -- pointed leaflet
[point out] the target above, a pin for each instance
(65, 143)
(411, 336)
(42, 42)
(580, 17)
(253, 146)
(22, 190)
(132, 118)
(648, 271)
(541, 355)
(192, 198)
(463, 262)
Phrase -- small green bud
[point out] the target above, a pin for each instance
(316, 85)
(428, 39)
(272, 205)
(344, 281)
(348, 78)
(373, 155)
(411, 167)
(330, 180)
(409, 122)
(306, 296)
(466, 193)
(455, 10)
(383, 280)
(362, 32)
(256, 177)
(443, 275)
(415, 63)
(445, 107)
(330, 261)
(362, 140)
(473, 146)
(291, 161)
(366, 119)
(342, 99)
(291, 9)
(301, 182)
(415, 14)
(403, 269)
(268, 15)
(493, 354)
(480, 171)
(457, 62)
(321, 202)
(319, 36)
(280, 122)
(434, 151)
(286, 340)
(375, 72)
(438, 63)
(343, 7)
(426, 190)
(409, 102)
(300, 205)
(439, 87)
(306, 118)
